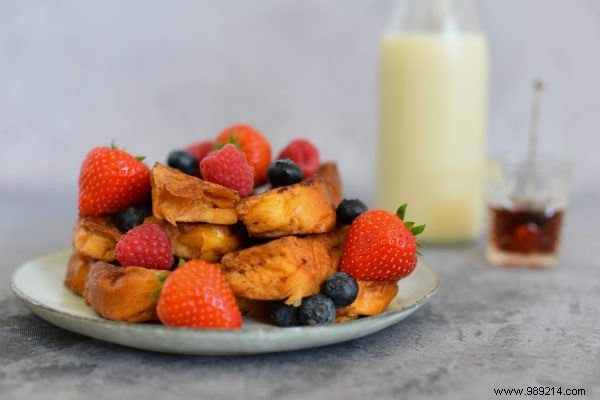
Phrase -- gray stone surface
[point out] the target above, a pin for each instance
(487, 328)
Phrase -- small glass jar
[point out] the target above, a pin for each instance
(526, 204)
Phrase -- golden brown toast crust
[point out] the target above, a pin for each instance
(126, 294)
(77, 272)
(177, 197)
(287, 268)
(373, 298)
(207, 242)
(96, 237)
(302, 208)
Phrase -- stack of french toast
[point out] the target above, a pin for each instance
(273, 247)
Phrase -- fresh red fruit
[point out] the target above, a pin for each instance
(228, 167)
(380, 246)
(304, 154)
(256, 148)
(147, 246)
(111, 180)
(196, 295)
(201, 149)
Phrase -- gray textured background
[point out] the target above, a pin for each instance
(75, 74)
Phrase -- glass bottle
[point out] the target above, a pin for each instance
(434, 71)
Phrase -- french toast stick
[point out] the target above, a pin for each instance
(373, 298)
(178, 197)
(96, 237)
(126, 294)
(77, 272)
(302, 208)
(288, 268)
(208, 242)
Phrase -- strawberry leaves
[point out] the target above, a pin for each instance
(232, 139)
(415, 230)
(401, 211)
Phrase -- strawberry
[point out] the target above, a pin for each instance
(201, 149)
(147, 246)
(304, 154)
(228, 167)
(196, 295)
(111, 180)
(380, 246)
(253, 145)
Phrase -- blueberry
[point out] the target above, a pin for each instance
(284, 172)
(348, 210)
(132, 217)
(284, 315)
(341, 288)
(183, 161)
(317, 310)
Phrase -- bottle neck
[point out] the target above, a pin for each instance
(449, 17)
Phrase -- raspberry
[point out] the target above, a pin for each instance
(228, 167)
(196, 295)
(145, 246)
(253, 144)
(304, 154)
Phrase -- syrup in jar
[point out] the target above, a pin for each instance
(525, 231)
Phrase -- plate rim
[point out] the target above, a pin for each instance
(207, 334)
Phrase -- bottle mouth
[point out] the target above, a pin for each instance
(448, 17)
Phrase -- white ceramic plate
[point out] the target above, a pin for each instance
(39, 285)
